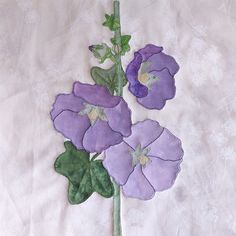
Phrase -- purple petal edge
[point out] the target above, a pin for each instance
(135, 87)
(95, 94)
(149, 50)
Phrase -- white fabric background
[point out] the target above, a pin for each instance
(44, 49)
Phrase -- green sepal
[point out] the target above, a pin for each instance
(85, 176)
(101, 52)
(125, 47)
(107, 78)
(111, 22)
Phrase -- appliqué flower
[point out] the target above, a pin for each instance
(91, 117)
(151, 76)
(145, 162)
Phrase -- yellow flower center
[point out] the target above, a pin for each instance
(143, 78)
(93, 115)
(143, 160)
(139, 155)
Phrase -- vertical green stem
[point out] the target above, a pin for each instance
(117, 231)
(116, 211)
(116, 6)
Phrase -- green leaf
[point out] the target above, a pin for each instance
(107, 78)
(101, 180)
(80, 193)
(101, 51)
(111, 22)
(85, 176)
(125, 47)
(72, 163)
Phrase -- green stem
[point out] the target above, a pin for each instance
(116, 211)
(116, 6)
(117, 231)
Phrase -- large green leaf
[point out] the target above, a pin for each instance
(72, 163)
(81, 192)
(107, 78)
(85, 176)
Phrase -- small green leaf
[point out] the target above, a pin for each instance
(107, 78)
(101, 181)
(85, 176)
(101, 51)
(125, 44)
(113, 41)
(125, 47)
(111, 22)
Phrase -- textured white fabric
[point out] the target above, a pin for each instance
(44, 48)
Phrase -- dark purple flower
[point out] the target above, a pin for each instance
(151, 76)
(91, 117)
(145, 162)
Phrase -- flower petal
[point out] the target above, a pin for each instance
(72, 126)
(161, 174)
(135, 87)
(138, 186)
(66, 102)
(161, 60)
(95, 94)
(138, 90)
(144, 133)
(166, 147)
(100, 136)
(163, 89)
(118, 162)
(149, 50)
(119, 118)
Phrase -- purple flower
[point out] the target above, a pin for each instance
(91, 117)
(145, 162)
(151, 76)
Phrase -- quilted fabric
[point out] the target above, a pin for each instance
(44, 49)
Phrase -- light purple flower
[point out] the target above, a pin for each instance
(145, 162)
(151, 76)
(91, 117)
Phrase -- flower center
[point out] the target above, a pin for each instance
(139, 155)
(94, 113)
(143, 160)
(145, 78)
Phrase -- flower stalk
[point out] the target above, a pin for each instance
(117, 231)
(116, 6)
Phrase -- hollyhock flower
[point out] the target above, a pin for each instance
(91, 117)
(151, 76)
(145, 162)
